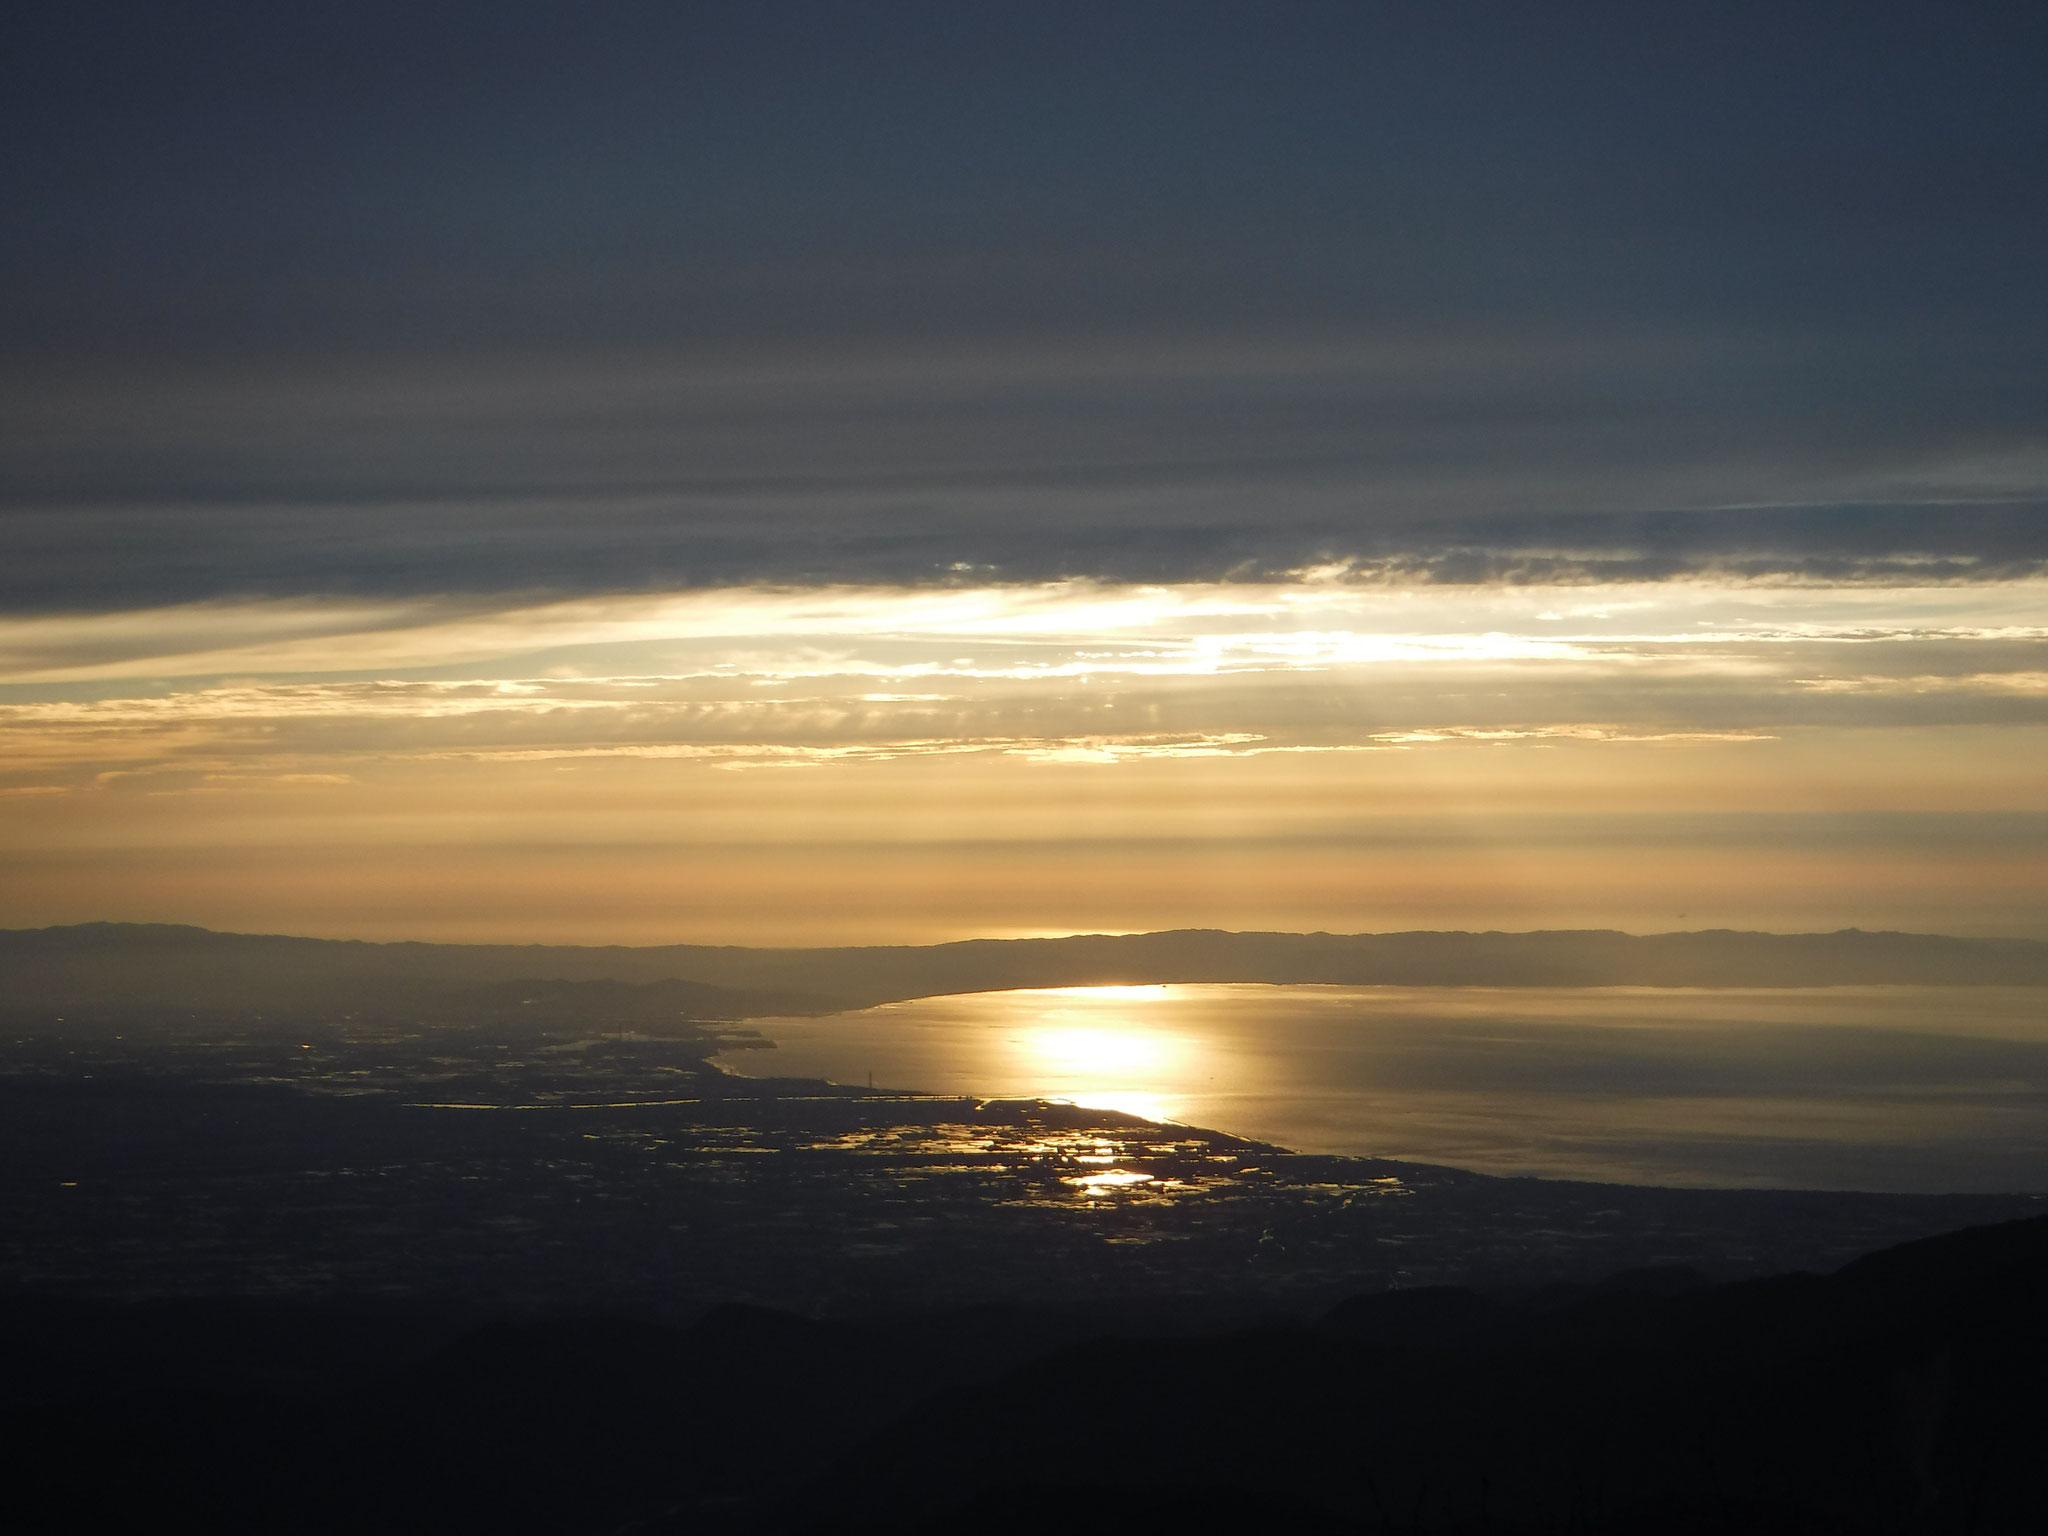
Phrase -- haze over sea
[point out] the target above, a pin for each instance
(1918, 1088)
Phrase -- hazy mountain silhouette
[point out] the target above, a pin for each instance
(169, 969)
(120, 965)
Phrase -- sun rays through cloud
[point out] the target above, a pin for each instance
(1329, 750)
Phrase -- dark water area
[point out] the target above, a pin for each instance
(1924, 1089)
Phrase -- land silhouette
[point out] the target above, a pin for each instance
(1899, 1394)
(158, 966)
(303, 1235)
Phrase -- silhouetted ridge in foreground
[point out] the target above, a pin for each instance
(1901, 1394)
(118, 965)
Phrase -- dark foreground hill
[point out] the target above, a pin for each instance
(1900, 1394)
(161, 968)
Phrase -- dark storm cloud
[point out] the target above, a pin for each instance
(450, 297)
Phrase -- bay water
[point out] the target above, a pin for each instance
(1881, 1088)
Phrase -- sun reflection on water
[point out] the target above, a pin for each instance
(1100, 1050)
(1158, 992)
(1146, 1106)
(1100, 1184)
(1502, 1080)
(1094, 1047)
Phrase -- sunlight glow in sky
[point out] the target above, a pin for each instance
(1069, 629)
(1338, 751)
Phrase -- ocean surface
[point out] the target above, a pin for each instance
(1925, 1089)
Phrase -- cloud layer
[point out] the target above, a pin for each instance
(485, 299)
(799, 469)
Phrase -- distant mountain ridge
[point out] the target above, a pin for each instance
(121, 965)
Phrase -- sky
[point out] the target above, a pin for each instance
(789, 473)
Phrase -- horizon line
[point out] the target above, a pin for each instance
(1317, 933)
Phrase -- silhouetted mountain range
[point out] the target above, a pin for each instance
(122, 965)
